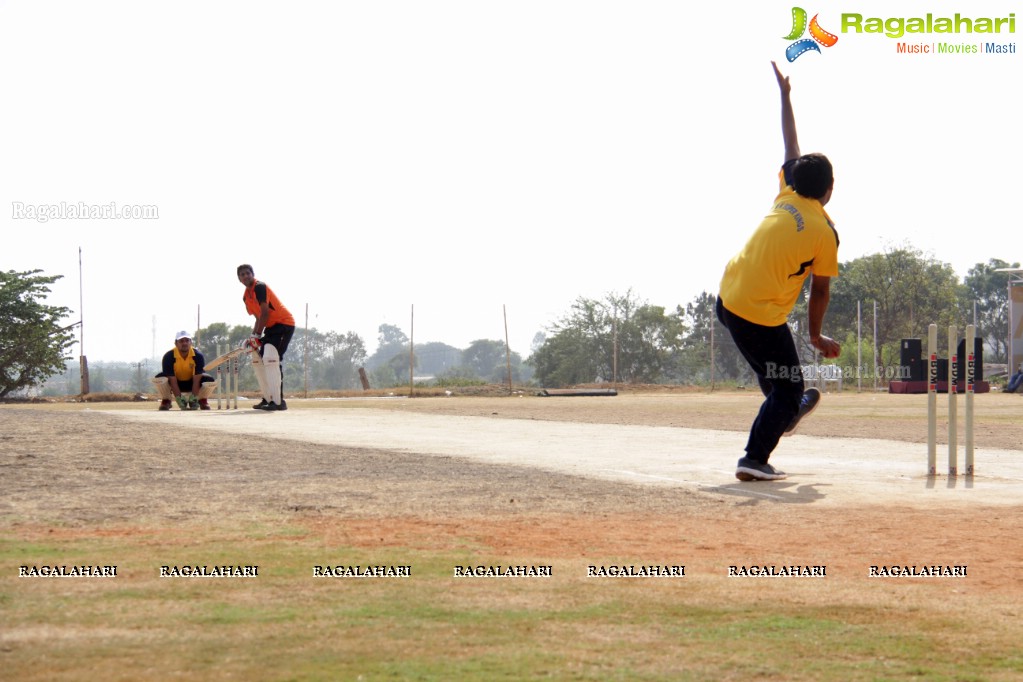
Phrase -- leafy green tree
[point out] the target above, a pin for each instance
(618, 337)
(304, 358)
(648, 343)
(567, 357)
(537, 343)
(211, 337)
(699, 317)
(385, 376)
(434, 358)
(388, 365)
(391, 342)
(33, 343)
(219, 335)
(331, 359)
(339, 366)
(911, 291)
(218, 338)
(486, 359)
(394, 372)
(989, 289)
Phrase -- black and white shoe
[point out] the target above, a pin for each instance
(261, 405)
(811, 398)
(751, 470)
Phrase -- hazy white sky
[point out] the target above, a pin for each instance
(366, 157)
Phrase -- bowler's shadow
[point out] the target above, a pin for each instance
(780, 492)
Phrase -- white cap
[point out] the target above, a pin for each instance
(182, 335)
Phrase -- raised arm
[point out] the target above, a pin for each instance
(788, 119)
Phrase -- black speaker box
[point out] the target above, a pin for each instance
(917, 370)
(911, 359)
(911, 349)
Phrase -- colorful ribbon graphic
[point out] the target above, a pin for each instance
(798, 23)
(818, 35)
(799, 47)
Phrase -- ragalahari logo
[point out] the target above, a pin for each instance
(817, 35)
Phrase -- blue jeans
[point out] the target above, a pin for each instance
(771, 354)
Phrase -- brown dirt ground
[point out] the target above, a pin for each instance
(70, 469)
(70, 472)
(998, 421)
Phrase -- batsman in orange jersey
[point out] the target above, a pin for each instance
(271, 334)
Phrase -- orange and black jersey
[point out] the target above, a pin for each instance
(259, 293)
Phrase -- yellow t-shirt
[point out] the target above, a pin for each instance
(184, 367)
(762, 282)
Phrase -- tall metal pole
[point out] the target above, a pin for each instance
(507, 346)
(859, 347)
(1010, 350)
(875, 347)
(305, 356)
(614, 350)
(83, 361)
(81, 307)
(712, 325)
(221, 379)
(411, 350)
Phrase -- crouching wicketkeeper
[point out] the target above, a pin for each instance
(183, 372)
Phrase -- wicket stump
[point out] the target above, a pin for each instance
(954, 372)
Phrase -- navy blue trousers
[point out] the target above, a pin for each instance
(771, 354)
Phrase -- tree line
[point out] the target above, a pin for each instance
(618, 337)
(323, 361)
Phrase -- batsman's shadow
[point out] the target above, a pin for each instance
(781, 492)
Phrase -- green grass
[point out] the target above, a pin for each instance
(287, 625)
